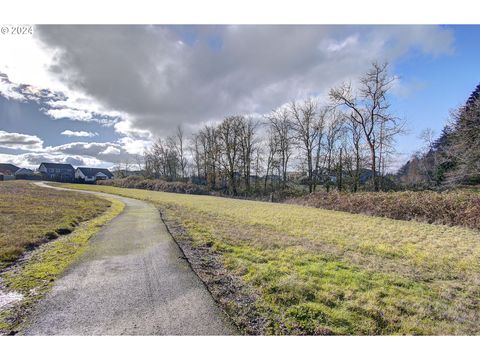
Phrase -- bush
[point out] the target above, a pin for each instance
(138, 182)
(447, 208)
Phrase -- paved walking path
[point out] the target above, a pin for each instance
(132, 280)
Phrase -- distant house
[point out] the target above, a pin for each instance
(23, 171)
(8, 169)
(295, 175)
(84, 174)
(26, 174)
(57, 172)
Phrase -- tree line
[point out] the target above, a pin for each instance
(345, 142)
(454, 157)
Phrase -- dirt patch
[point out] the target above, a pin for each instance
(236, 298)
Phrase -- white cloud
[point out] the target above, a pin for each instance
(20, 141)
(9, 91)
(74, 114)
(26, 60)
(145, 80)
(77, 153)
(111, 150)
(33, 160)
(71, 133)
(135, 146)
(160, 81)
(335, 46)
(404, 89)
(28, 63)
(94, 150)
(125, 127)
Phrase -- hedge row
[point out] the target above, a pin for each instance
(447, 208)
(138, 182)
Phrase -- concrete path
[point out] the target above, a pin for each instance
(131, 281)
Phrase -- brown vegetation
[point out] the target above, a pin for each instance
(30, 215)
(138, 182)
(447, 208)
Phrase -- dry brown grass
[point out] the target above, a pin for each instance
(459, 207)
(30, 215)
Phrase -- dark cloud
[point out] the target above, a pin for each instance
(78, 153)
(162, 76)
(33, 160)
(105, 152)
(20, 141)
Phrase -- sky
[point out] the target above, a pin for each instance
(95, 95)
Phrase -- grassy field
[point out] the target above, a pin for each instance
(318, 271)
(30, 215)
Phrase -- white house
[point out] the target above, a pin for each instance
(92, 174)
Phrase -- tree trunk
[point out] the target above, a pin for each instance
(310, 172)
(374, 168)
(340, 170)
(357, 172)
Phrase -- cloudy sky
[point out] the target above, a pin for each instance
(91, 95)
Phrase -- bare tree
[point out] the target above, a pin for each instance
(333, 132)
(281, 125)
(162, 160)
(206, 155)
(122, 168)
(195, 148)
(355, 163)
(306, 131)
(229, 134)
(272, 146)
(369, 108)
(258, 165)
(322, 118)
(248, 141)
(180, 149)
(140, 163)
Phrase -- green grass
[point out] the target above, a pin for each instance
(318, 271)
(31, 215)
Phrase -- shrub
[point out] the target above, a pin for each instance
(138, 182)
(447, 208)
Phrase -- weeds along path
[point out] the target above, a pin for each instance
(132, 280)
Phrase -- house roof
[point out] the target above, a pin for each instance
(94, 171)
(8, 169)
(57, 166)
(24, 170)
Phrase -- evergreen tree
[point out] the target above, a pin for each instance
(454, 158)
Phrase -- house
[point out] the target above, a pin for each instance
(295, 175)
(27, 174)
(8, 169)
(23, 171)
(57, 172)
(84, 174)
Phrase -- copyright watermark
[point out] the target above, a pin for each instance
(16, 29)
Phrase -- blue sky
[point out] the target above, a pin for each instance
(444, 82)
(96, 95)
